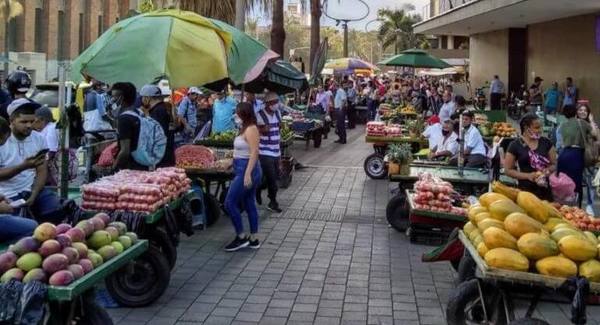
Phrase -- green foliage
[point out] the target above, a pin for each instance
(145, 6)
(400, 153)
(396, 29)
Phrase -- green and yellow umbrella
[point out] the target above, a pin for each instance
(183, 47)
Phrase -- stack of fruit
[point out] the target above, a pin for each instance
(224, 136)
(503, 129)
(376, 129)
(433, 194)
(520, 232)
(579, 218)
(408, 109)
(59, 255)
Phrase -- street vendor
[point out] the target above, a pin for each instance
(223, 110)
(531, 158)
(433, 131)
(23, 166)
(447, 145)
(474, 147)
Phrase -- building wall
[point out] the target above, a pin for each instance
(488, 54)
(566, 48)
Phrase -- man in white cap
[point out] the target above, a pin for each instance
(268, 121)
(154, 106)
(23, 166)
(187, 113)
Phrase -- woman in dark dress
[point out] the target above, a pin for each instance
(531, 158)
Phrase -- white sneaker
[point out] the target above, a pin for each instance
(589, 209)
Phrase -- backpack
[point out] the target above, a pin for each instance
(152, 141)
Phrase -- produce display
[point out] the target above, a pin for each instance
(193, 156)
(286, 132)
(380, 129)
(59, 255)
(580, 219)
(131, 190)
(223, 136)
(408, 109)
(434, 194)
(501, 129)
(517, 231)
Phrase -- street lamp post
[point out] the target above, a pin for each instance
(345, 22)
(6, 42)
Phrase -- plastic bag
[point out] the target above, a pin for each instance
(33, 304)
(563, 187)
(10, 294)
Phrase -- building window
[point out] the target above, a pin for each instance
(100, 25)
(13, 37)
(60, 43)
(39, 27)
(81, 33)
(444, 42)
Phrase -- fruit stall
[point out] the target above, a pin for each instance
(382, 135)
(71, 261)
(516, 244)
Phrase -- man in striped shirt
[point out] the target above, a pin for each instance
(269, 120)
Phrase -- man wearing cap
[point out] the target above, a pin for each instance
(187, 113)
(433, 131)
(268, 121)
(474, 147)
(223, 110)
(153, 105)
(23, 166)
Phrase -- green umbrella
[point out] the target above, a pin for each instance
(181, 46)
(416, 59)
(247, 57)
(279, 76)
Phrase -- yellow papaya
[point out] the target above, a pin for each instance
(505, 258)
(560, 233)
(556, 266)
(518, 224)
(552, 222)
(590, 270)
(474, 211)
(535, 207)
(495, 237)
(564, 225)
(478, 239)
(486, 199)
(468, 227)
(591, 237)
(537, 246)
(578, 249)
(508, 191)
(552, 211)
(501, 208)
(482, 249)
(489, 222)
(474, 233)
(481, 216)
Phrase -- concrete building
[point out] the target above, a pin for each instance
(53, 31)
(521, 39)
(294, 8)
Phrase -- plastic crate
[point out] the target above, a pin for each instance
(302, 127)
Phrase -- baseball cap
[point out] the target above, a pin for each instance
(195, 90)
(21, 103)
(150, 91)
(271, 97)
(433, 119)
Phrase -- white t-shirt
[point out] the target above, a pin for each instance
(446, 111)
(13, 153)
(433, 133)
(448, 144)
(474, 141)
(51, 135)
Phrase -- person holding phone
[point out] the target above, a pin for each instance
(23, 166)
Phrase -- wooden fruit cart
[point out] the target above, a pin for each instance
(374, 164)
(487, 296)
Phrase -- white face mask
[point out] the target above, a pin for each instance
(237, 120)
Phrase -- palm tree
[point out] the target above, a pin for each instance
(221, 9)
(277, 28)
(396, 28)
(315, 29)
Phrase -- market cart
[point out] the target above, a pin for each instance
(307, 131)
(374, 164)
(214, 185)
(488, 296)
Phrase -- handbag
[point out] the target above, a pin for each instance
(590, 153)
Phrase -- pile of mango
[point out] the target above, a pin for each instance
(515, 230)
(59, 255)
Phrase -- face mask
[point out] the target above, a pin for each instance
(534, 135)
(237, 120)
(445, 132)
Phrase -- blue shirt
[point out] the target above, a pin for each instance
(187, 110)
(551, 98)
(570, 95)
(223, 115)
(497, 87)
(90, 101)
(340, 97)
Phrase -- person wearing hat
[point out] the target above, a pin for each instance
(24, 168)
(536, 92)
(474, 147)
(17, 84)
(154, 106)
(268, 121)
(187, 113)
(433, 131)
(223, 110)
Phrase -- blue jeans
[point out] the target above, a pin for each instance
(13, 228)
(588, 176)
(45, 208)
(238, 195)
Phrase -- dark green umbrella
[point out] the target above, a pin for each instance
(416, 59)
(279, 76)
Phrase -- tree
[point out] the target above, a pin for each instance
(223, 10)
(396, 28)
(277, 28)
(315, 29)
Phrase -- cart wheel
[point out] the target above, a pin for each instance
(466, 268)
(465, 305)
(396, 212)
(375, 166)
(159, 238)
(528, 321)
(212, 209)
(142, 281)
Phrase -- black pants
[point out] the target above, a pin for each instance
(351, 116)
(495, 101)
(340, 123)
(270, 169)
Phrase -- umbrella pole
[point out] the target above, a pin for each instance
(63, 101)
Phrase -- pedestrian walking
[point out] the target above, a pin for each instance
(352, 97)
(339, 103)
(496, 93)
(269, 125)
(248, 174)
(187, 113)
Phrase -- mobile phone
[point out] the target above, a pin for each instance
(42, 152)
(17, 204)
